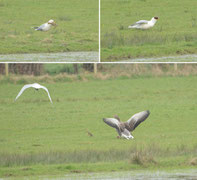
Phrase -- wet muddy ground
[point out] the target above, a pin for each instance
(52, 57)
(182, 58)
(127, 175)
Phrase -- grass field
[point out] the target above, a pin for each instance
(77, 28)
(175, 33)
(39, 138)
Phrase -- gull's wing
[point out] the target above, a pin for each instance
(136, 119)
(47, 92)
(21, 91)
(40, 28)
(113, 123)
(140, 22)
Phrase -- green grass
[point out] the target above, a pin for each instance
(59, 170)
(53, 69)
(39, 138)
(175, 33)
(77, 28)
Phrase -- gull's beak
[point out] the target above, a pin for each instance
(54, 24)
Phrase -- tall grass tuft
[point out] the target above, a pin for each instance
(141, 158)
(135, 155)
(113, 39)
(193, 161)
(84, 156)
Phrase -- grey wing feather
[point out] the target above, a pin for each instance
(21, 91)
(113, 123)
(40, 28)
(136, 119)
(140, 22)
(47, 92)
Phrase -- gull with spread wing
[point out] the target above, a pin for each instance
(124, 128)
(144, 24)
(36, 86)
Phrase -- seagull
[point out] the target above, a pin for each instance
(36, 86)
(46, 26)
(144, 24)
(124, 128)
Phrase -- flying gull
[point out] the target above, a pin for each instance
(36, 86)
(46, 26)
(124, 128)
(144, 24)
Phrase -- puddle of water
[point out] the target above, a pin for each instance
(182, 58)
(128, 175)
(90, 56)
(131, 175)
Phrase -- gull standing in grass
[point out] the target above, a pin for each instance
(36, 86)
(144, 24)
(124, 128)
(46, 26)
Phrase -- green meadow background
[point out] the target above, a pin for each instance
(77, 28)
(175, 33)
(40, 138)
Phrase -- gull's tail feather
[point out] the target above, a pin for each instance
(35, 28)
(131, 27)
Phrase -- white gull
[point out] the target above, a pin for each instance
(36, 86)
(46, 26)
(144, 24)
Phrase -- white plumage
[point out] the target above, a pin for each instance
(46, 26)
(144, 24)
(35, 86)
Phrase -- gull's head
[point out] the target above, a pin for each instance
(116, 117)
(52, 22)
(154, 19)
